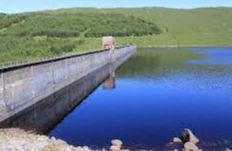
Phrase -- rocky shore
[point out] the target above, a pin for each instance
(19, 140)
(14, 139)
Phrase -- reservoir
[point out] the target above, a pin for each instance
(155, 95)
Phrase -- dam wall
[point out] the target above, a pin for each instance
(34, 94)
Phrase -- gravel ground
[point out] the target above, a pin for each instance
(19, 140)
(14, 139)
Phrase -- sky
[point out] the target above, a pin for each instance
(15, 6)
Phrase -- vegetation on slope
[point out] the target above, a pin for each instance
(208, 26)
(72, 25)
(49, 33)
(46, 34)
(181, 27)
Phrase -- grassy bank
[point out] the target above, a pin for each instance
(49, 33)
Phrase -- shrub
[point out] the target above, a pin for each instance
(61, 49)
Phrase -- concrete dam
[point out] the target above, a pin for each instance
(36, 96)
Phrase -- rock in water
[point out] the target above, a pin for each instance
(190, 147)
(116, 142)
(115, 148)
(116, 145)
(227, 149)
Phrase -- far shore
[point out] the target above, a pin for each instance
(185, 46)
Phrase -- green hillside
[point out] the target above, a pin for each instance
(72, 25)
(45, 34)
(48, 33)
(181, 27)
(208, 26)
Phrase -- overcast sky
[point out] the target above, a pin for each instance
(13, 6)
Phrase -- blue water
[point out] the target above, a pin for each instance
(215, 55)
(158, 93)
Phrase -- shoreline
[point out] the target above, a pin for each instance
(187, 46)
(18, 139)
(35, 59)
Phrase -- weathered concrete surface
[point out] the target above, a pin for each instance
(37, 96)
(2, 103)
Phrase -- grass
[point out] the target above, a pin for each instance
(48, 33)
(181, 27)
(205, 26)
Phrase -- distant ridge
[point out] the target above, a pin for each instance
(113, 8)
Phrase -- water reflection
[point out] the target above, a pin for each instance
(157, 62)
(158, 94)
(110, 82)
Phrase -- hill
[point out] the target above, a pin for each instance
(47, 33)
(181, 27)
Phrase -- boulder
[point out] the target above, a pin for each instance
(116, 142)
(189, 146)
(115, 148)
(227, 149)
(116, 145)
